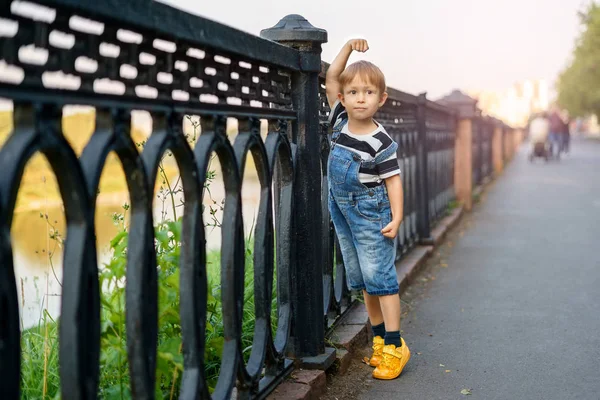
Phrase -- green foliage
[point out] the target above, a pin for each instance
(579, 84)
(114, 373)
(452, 205)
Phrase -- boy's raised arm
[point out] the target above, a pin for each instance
(332, 84)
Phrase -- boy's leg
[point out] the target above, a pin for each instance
(373, 309)
(377, 256)
(386, 310)
(377, 262)
(390, 307)
(395, 352)
(378, 328)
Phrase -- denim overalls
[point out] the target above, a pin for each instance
(359, 214)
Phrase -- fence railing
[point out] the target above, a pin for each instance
(483, 132)
(441, 132)
(182, 65)
(143, 55)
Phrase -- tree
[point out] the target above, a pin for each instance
(579, 84)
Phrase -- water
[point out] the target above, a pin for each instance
(38, 258)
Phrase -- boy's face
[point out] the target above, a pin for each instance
(361, 99)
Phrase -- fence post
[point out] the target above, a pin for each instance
(308, 331)
(490, 152)
(505, 155)
(497, 149)
(518, 139)
(463, 165)
(423, 226)
(507, 140)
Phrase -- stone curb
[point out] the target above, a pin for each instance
(301, 385)
(354, 331)
(444, 226)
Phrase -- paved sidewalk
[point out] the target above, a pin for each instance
(516, 315)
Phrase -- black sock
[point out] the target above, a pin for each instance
(378, 330)
(393, 338)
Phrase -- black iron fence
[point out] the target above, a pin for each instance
(441, 131)
(483, 133)
(337, 298)
(187, 65)
(487, 136)
(182, 65)
(476, 152)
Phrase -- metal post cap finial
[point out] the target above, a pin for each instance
(294, 28)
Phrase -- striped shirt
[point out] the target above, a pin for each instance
(367, 146)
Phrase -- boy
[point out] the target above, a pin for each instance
(366, 200)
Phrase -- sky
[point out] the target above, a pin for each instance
(429, 46)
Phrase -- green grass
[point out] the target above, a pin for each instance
(40, 374)
(452, 205)
(39, 364)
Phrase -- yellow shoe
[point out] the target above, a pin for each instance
(393, 362)
(377, 356)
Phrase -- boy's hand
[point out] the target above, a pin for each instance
(391, 229)
(358, 45)
(332, 84)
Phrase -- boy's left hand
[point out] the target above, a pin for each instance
(391, 229)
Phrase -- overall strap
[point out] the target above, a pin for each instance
(387, 153)
(336, 131)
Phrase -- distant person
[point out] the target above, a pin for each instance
(566, 136)
(555, 136)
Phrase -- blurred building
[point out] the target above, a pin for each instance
(515, 104)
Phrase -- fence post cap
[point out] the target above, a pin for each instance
(465, 105)
(294, 28)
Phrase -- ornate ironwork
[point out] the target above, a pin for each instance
(336, 294)
(118, 61)
(483, 131)
(441, 131)
(487, 134)
(399, 116)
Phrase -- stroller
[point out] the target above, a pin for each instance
(538, 136)
(541, 150)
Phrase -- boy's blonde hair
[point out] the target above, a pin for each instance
(368, 71)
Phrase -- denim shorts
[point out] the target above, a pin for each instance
(359, 214)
